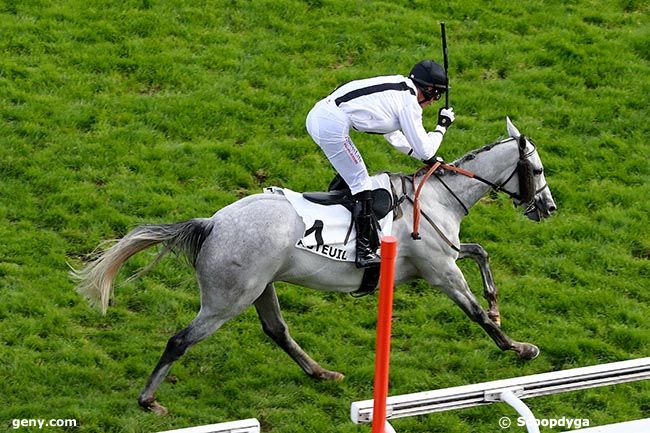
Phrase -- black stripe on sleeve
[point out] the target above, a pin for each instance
(372, 89)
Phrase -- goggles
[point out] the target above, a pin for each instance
(433, 94)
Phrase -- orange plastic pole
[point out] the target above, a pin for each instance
(384, 319)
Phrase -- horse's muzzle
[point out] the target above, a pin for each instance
(541, 208)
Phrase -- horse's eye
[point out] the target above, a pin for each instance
(538, 171)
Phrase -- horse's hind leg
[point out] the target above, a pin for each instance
(200, 328)
(268, 309)
(490, 291)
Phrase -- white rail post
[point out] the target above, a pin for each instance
(510, 396)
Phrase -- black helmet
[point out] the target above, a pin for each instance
(428, 73)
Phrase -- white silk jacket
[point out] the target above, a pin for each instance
(388, 105)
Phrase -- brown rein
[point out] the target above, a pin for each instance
(418, 189)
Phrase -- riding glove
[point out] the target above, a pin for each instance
(433, 160)
(446, 117)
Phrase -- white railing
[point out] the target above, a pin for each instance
(243, 426)
(511, 391)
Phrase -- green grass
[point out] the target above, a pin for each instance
(114, 114)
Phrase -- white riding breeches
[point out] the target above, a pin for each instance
(330, 128)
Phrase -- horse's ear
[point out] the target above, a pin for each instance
(512, 130)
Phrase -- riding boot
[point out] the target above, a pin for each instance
(366, 225)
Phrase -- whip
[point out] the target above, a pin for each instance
(446, 61)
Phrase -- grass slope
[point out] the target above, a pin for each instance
(118, 113)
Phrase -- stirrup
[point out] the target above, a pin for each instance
(368, 260)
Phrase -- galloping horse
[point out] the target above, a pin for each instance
(245, 247)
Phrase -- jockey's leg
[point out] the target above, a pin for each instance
(349, 164)
(330, 129)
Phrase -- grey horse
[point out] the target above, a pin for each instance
(244, 248)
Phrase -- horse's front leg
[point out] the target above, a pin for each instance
(453, 283)
(477, 253)
(268, 310)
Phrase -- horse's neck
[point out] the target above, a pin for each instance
(494, 165)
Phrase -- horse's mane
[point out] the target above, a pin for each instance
(472, 154)
(463, 159)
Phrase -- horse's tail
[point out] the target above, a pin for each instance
(95, 280)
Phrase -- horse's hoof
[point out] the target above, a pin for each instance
(152, 405)
(330, 375)
(528, 351)
(496, 318)
(335, 375)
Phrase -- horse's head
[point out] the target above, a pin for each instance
(534, 194)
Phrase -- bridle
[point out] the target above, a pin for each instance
(523, 169)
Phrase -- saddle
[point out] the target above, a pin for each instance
(382, 200)
(339, 194)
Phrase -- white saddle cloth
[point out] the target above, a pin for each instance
(327, 227)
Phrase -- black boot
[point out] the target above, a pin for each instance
(366, 225)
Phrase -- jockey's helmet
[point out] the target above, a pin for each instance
(428, 73)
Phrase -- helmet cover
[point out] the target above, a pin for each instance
(429, 73)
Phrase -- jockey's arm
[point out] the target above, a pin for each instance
(413, 140)
(399, 142)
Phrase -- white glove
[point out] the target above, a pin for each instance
(446, 117)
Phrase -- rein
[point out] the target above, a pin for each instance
(416, 200)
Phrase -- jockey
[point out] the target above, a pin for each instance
(389, 105)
